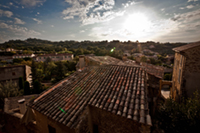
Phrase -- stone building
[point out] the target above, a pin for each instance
(106, 98)
(54, 57)
(91, 60)
(14, 72)
(23, 56)
(186, 71)
(14, 109)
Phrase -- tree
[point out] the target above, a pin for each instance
(34, 70)
(8, 89)
(18, 60)
(27, 90)
(36, 87)
(180, 117)
(60, 71)
(143, 59)
(21, 83)
(168, 76)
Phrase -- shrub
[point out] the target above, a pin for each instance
(180, 117)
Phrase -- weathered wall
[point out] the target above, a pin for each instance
(178, 69)
(191, 75)
(13, 73)
(111, 123)
(43, 121)
(28, 74)
(13, 125)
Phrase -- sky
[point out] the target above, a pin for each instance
(97, 20)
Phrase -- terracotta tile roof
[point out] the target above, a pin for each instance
(186, 47)
(157, 71)
(108, 60)
(117, 89)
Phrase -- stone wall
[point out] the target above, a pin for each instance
(191, 75)
(8, 73)
(43, 121)
(178, 69)
(106, 122)
(28, 74)
(12, 124)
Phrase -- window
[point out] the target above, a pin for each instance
(51, 129)
(181, 60)
(179, 76)
(176, 65)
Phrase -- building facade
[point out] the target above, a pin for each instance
(23, 56)
(186, 71)
(14, 72)
(54, 57)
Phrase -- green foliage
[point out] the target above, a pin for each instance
(27, 90)
(8, 89)
(143, 59)
(180, 117)
(168, 76)
(131, 57)
(37, 87)
(18, 60)
(21, 83)
(28, 59)
(60, 71)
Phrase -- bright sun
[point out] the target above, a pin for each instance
(137, 23)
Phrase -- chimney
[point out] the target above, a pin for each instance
(124, 57)
(81, 61)
(22, 106)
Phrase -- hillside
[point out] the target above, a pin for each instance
(45, 45)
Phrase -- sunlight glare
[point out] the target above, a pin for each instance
(137, 23)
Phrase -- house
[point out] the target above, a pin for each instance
(54, 57)
(105, 98)
(151, 46)
(91, 60)
(23, 56)
(14, 72)
(14, 110)
(9, 49)
(138, 57)
(8, 59)
(186, 71)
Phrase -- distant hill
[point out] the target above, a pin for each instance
(45, 45)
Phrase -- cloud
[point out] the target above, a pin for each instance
(189, 6)
(19, 21)
(37, 20)
(90, 11)
(4, 6)
(52, 26)
(82, 31)
(129, 3)
(19, 31)
(192, 0)
(187, 17)
(32, 3)
(6, 13)
(181, 8)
